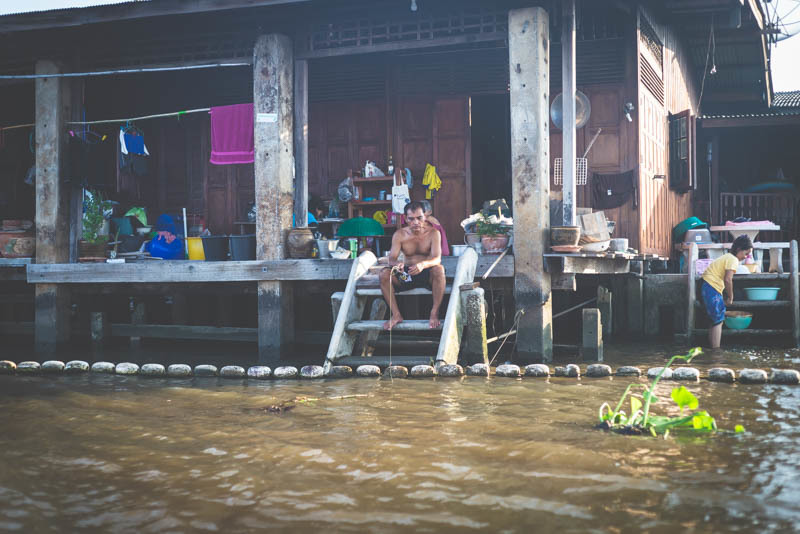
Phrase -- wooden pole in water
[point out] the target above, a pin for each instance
(529, 88)
(273, 97)
(795, 286)
(691, 291)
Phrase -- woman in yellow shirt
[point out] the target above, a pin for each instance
(718, 277)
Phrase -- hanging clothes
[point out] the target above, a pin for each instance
(431, 181)
(232, 134)
(133, 152)
(611, 191)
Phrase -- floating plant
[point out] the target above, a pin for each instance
(640, 421)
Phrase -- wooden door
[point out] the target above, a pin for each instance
(451, 156)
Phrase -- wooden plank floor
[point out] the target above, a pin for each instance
(223, 271)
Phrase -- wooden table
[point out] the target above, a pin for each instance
(715, 250)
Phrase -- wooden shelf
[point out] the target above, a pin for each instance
(761, 276)
(744, 304)
(373, 180)
(371, 203)
(745, 332)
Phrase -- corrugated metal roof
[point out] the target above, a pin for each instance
(19, 10)
(786, 103)
(786, 99)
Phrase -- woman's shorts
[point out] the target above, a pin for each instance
(715, 304)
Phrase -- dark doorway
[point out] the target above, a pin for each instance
(491, 149)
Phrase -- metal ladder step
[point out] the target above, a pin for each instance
(377, 326)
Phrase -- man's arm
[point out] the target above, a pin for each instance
(397, 242)
(729, 285)
(434, 258)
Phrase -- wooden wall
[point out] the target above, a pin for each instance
(661, 207)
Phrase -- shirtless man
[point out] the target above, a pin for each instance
(421, 244)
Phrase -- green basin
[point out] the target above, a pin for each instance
(761, 293)
(738, 323)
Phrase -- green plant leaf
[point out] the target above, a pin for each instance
(703, 421)
(738, 429)
(683, 398)
(647, 395)
(636, 405)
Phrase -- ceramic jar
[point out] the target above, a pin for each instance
(300, 242)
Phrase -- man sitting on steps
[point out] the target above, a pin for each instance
(421, 245)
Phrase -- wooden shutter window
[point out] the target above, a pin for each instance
(681, 152)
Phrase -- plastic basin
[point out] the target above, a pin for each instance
(761, 293)
(215, 247)
(196, 248)
(738, 322)
(243, 247)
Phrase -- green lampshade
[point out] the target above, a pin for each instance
(360, 227)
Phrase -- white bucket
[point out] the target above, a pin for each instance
(458, 250)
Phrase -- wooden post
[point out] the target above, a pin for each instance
(691, 294)
(99, 328)
(604, 304)
(301, 142)
(529, 62)
(476, 349)
(635, 300)
(377, 312)
(180, 309)
(138, 317)
(51, 323)
(592, 347)
(568, 89)
(274, 166)
(795, 286)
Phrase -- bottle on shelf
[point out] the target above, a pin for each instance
(391, 167)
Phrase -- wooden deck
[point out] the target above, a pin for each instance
(223, 271)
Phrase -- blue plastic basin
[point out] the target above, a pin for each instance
(761, 293)
(738, 322)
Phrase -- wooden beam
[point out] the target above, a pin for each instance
(568, 86)
(453, 325)
(63, 18)
(401, 45)
(529, 84)
(577, 265)
(52, 225)
(301, 142)
(174, 331)
(273, 98)
(194, 272)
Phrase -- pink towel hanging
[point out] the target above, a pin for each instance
(232, 134)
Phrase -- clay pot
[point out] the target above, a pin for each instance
(17, 244)
(565, 235)
(300, 242)
(494, 244)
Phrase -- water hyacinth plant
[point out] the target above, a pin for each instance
(640, 420)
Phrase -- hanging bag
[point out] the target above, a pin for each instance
(400, 194)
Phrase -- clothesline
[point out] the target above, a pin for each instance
(112, 121)
(120, 71)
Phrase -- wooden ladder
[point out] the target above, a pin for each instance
(349, 306)
(793, 302)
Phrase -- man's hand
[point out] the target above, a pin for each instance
(728, 301)
(416, 269)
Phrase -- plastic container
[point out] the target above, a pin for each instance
(215, 247)
(761, 293)
(243, 247)
(739, 321)
(196, 248)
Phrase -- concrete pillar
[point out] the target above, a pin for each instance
(529, 59)
(592, 346)
(568, 89)
(273, 97)
(301, 142)
(138, 317)
(476, 349)
(605, 305)
(51, 323)
(99, 328)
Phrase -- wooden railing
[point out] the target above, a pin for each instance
(781, 208)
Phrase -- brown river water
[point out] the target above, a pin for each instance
(95, 453)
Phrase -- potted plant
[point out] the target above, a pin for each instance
(93, 243)
(494, 234)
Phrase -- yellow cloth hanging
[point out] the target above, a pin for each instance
(431, 180)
